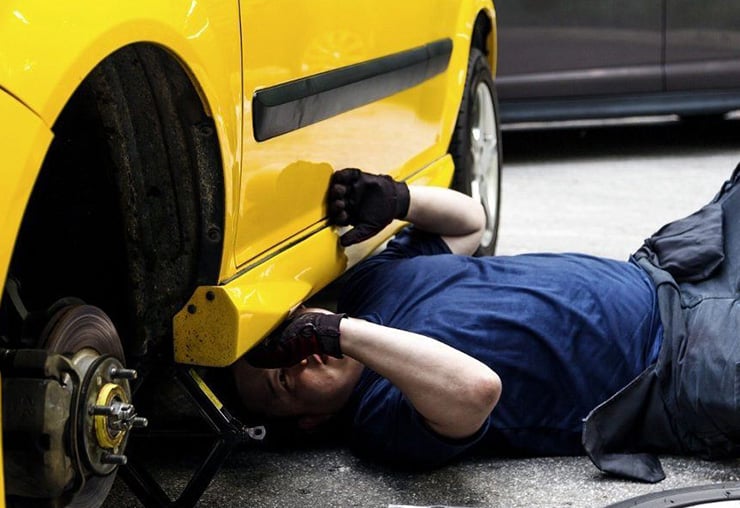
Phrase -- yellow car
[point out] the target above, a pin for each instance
(163, 174)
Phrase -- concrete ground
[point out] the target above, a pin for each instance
(599, 190)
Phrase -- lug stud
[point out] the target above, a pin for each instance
(139, 422)
(102, 410)
(112, 458)
(121, 373)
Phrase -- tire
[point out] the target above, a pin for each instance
(475, 146)
(704, 495)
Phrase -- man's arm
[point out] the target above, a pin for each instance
(452, 391)
(370, 202)
(459, 219)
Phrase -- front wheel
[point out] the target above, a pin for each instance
(476, 147)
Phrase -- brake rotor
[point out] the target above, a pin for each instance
(86, 334)
(76, 327)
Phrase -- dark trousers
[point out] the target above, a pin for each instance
(689, 401)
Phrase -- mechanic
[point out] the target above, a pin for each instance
(435, 353)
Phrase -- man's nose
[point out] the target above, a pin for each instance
(296, 369)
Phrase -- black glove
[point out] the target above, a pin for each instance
(368, 202)
(308, 334)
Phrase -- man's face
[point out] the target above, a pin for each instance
(319, 385)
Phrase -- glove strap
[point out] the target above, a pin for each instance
(327, 333)
(403, 200)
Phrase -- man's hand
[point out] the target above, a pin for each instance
(308, 334)
(368, 202)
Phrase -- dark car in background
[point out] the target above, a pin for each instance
(576, 59)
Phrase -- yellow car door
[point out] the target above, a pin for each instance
(331, 84)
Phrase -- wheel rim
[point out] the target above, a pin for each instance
(484, 149)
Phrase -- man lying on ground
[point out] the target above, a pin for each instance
(434, 353)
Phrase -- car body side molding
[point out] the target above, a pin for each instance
(290, 106)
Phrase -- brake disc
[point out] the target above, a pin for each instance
(102, 412)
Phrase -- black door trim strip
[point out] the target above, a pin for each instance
(290, 106)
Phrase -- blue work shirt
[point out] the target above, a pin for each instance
(563, 331)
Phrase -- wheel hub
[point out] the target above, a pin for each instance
(109, 412)
(104, 415)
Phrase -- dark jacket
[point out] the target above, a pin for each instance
(688, 402)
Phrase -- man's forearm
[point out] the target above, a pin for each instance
(454, 392)
(458, 218)
(370, 202)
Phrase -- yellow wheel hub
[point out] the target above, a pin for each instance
(109, 394)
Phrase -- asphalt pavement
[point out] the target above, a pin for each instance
(597, 189)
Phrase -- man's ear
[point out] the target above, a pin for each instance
(312, 422)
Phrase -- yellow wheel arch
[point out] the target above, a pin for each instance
(57, 45)
(468, 12)
(62, 42)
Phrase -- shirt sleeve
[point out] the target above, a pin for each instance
(387, 429)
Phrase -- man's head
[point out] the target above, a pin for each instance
(313, 390)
